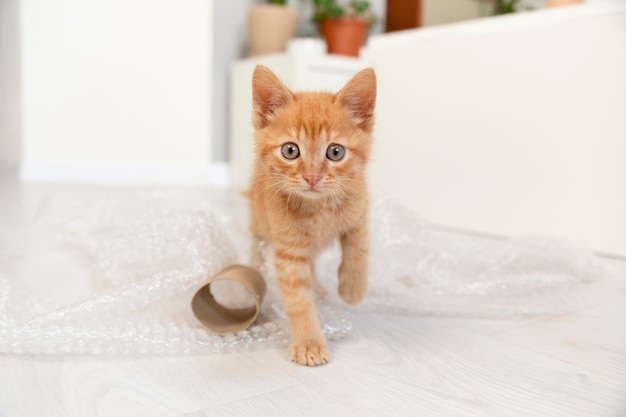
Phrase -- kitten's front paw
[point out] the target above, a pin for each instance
(352, 286)
(310, 354)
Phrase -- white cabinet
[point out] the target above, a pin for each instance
(511, 125)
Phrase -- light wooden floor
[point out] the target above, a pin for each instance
(566, 366)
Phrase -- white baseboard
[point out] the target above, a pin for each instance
(216, 174)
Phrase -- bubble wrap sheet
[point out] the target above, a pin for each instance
(116, 275)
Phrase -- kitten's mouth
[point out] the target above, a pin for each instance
(310, 193)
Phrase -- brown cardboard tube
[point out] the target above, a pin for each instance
(223, 320)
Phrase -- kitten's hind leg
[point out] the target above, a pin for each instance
(353, 268)
(319, 290)
(258, 253)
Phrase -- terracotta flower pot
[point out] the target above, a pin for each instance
(270, 27)
(344, 36)
(557, 3)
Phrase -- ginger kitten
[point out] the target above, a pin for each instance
(309, 188)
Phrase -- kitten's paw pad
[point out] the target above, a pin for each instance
(352, 291)
(312, 354)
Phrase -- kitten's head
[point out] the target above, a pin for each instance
(313, 145)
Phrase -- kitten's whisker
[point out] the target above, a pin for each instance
(353, 190)
(344, 181)
(278, 184)
(274, 184)
(335, 198)
(352, 179)
(343, 192)
(346, 196)
(279, 188)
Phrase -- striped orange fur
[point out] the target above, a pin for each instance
(308, 189)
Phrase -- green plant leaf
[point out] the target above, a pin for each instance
(335, 12)
(360, 6)
(504, 6)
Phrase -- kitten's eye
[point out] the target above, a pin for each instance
(335, 152)
(290, 150)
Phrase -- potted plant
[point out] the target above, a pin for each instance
(343, 26)
(270, 27)
(504, 7)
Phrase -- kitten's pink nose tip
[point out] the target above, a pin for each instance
(312, 179)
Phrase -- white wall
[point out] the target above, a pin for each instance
(121, 84)
(10, 132)
(437, 12)
(230, 42)
(511, 125)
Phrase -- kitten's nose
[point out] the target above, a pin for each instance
(312, 179)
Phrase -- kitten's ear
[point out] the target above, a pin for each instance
(268, 95)
(359, 97)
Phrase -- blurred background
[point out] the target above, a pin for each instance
(504, 117)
